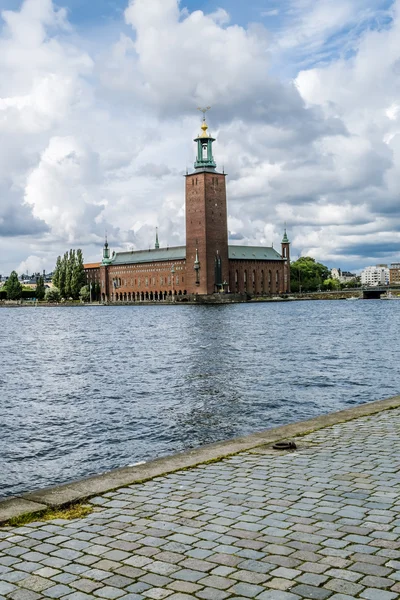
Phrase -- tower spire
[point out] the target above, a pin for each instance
(157, 244)
(285, 239)
(205, 160)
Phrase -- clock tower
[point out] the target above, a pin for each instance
(207, 268)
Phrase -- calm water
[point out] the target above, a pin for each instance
(84, 390)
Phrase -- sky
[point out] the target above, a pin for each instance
(98, 114)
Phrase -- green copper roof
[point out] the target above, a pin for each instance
(143, 256)
(253, 253)
(179, 253)
(285, 239)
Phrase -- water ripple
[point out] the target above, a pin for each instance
(86, 390)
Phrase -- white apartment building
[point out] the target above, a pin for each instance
(375, 276)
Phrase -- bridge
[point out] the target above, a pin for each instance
(374, 293)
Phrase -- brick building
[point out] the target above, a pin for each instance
(207, 264)
(394, 274)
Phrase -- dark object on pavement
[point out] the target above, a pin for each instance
(284, 446)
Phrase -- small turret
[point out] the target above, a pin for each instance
(285, 239)
(106, 253)
(157, 244)
(204, 141)
(286, 258)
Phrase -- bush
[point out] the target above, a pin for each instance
(53, 295)
(84, 294)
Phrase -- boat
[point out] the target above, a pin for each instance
(353, 298)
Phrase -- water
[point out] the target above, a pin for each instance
(84, 390)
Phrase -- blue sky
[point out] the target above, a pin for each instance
(90, 11)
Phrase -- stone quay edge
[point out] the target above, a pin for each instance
(59, 496)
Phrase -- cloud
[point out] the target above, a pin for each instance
(97, 135)
(33, 264)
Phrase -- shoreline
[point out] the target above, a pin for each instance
(337, 295)
(39, 501)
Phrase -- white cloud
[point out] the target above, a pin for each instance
(32, 264)
(100, 140)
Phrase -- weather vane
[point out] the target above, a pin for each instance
(204, 110)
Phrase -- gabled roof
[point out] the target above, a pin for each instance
(253, 253)
(151, 255)
(91, 265)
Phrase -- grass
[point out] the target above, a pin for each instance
(72, 511)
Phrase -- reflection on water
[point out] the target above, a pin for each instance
(84, 390)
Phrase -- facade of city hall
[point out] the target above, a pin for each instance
(207, 265)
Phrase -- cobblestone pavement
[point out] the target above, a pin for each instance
(322, 522)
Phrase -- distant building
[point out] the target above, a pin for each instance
(343, 276)
(375, 276)
(394, 274)
(92, 273)
(207, 264)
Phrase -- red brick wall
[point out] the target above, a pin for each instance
(257, 277)
(143, 281)
(206, 229)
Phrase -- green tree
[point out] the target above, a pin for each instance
(84, 293)
(57, 272)
(78, 278)
(69, 270)
(53, 295)
(307, 275)
(13, 287)
(331, 284)
(40, 289)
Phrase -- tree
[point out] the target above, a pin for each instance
(69, 269)
(84, 293)
(53, 295)
(40, 289)
(307, 275)
(57, 272)
(69, 274)
(13, 287)
(331, 284)
(78, 278)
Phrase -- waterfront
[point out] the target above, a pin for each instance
(84, 391)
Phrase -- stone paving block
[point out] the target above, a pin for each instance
(285, 573)
(86, 585)
(58, 591)
(344, 587)
(23, 595)
(36, 583)
(310, 592)
(6, 588)
(78, 596)
(212, 594)
(376, 594)
(188, 575)
(157, 593)
(185, 587)
(277, 595)
(109, 592)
